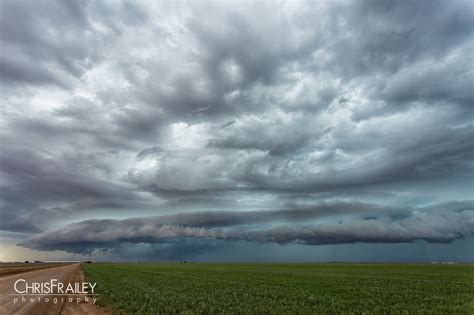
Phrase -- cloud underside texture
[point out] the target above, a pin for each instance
(289, 122)
(429, 224)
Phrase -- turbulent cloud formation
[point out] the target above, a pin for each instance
(90, 235)
(274, 122)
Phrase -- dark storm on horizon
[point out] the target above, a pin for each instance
(237, 130)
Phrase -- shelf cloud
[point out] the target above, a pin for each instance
(434, 226)
(272, 122)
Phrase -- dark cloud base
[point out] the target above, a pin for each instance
(306, 122)
(436, 224)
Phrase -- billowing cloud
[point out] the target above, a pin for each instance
(38, 53)
(348, 109)
(432, 226)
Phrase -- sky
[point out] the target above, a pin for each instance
(237, 130)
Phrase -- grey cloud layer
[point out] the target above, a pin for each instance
(37, 52)
(146, 108)
(432, 226)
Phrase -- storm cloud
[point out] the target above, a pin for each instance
(87, 236)
(273, 122)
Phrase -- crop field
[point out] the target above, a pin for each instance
(284, 288)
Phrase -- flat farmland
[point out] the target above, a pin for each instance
(12, 268)
(196, 288)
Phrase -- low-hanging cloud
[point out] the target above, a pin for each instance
(85, 237)
(276, 125)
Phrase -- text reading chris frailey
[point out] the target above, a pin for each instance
(53, 287)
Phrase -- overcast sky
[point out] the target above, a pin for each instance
(237, 130)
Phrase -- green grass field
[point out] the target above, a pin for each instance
(284, 288)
